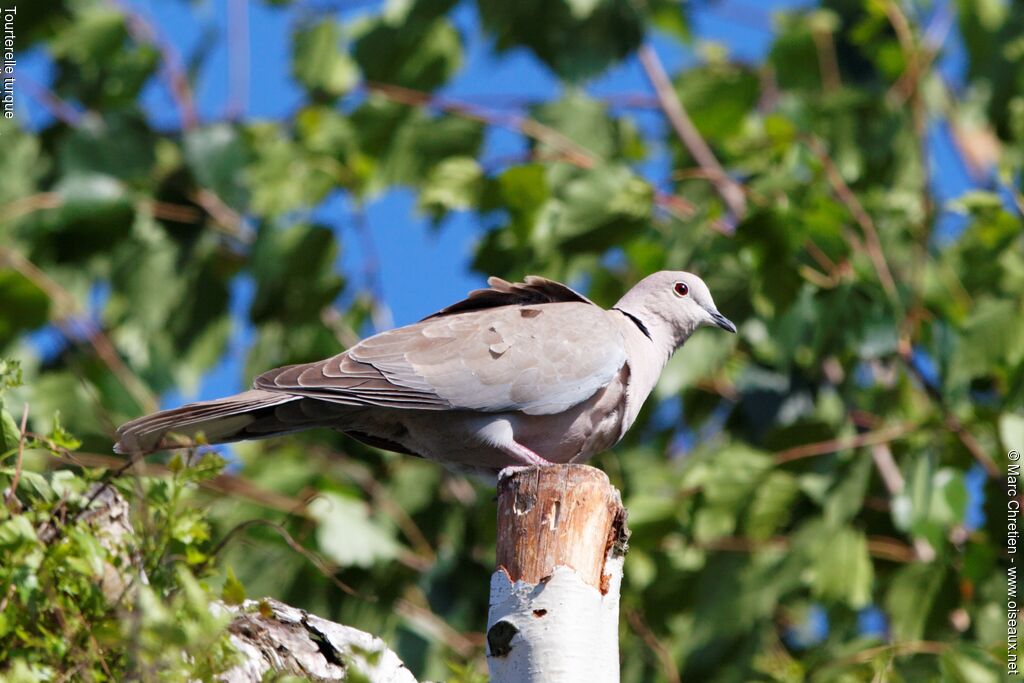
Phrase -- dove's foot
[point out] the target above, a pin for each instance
(512, 469)
(524, 456)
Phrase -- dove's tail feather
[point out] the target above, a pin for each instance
(249, 415)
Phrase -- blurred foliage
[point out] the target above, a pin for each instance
(85, 596)
(841, 458)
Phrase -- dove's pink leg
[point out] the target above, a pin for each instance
(524, 455)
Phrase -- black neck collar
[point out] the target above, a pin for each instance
(636, 321)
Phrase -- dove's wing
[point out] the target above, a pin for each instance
(540, 358)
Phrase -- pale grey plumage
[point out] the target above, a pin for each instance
(521, 373)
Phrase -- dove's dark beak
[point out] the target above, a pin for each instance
(723, 322)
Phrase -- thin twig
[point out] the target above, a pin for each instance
(574, 153)
(896, 649)
(881, 547)
(321, 565)
(238, 58)
(7, 596)
(31, 204)
(566, 150)
(58, 108)
(334, 321)
(226, 219)
(729, 189)
(178, 213)
(887, 468)
(228, 484)
(425, 618)
(828, 64)
(878, 436)
(887, 548)
(917, 59)
(668, 665)
(173, 68)
(402, 519)
(11, 495)
(872, 243)
(907, 87)
(952, 422)
(67, 307)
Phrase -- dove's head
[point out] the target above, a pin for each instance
(672, 304)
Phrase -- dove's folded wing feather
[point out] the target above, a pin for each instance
(539, 359)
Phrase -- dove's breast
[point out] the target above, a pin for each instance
(581, 432)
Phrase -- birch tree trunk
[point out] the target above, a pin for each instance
(554, 605)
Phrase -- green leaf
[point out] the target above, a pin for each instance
(348, 535)
(576, 40)
(933, 500)
(318, 61)
(25, 307)
(96, 214)
(992, 335)
(100, 65)
(217, 155)
(702, 356)
(420, 144)
(909, 599)
(21, 164)
(581, 119)
(16, 532)
(10, 433)
(1011, 431)
(190, 527)
(10, 374)
(88, 555)
(120, 145)
(718, 98)
(422, 55)
(967, 664)
(847, 498)
(61, 437)
(601, 207)
(233, 592)
(295, 273)
(34, 482)
(210, 465)
(841, 569)
(454, 184)
(772, 505)
(791, 52)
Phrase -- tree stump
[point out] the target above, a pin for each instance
(554, 604)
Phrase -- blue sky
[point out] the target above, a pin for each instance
(422, 270)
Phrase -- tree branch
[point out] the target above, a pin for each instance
(142, 31)
(878, 436)
(730, 191)
(872, 243)
(273, 637)
(95, 336)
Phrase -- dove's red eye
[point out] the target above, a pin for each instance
(681, 289)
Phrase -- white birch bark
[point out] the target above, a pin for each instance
(273, 636)
(561, 630)
(554, 601)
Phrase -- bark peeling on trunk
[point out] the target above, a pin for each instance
(554, 604)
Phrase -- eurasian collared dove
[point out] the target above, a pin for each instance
(529, 373)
